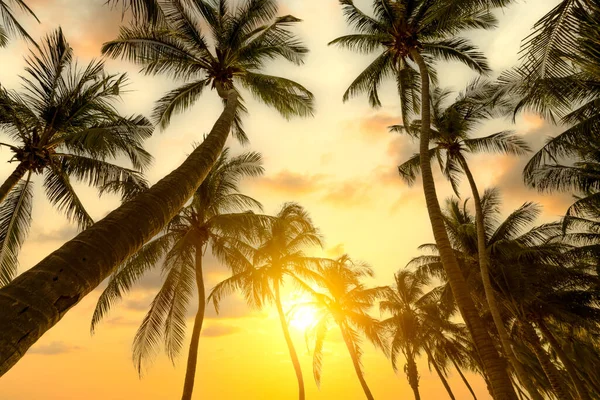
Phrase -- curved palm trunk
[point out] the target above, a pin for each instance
(556, 381)
(464, 379)
(37, 299)
(494, 365)
(12, 180)
(484, 265)
(413, 375)
(190, 373)
(439, 372)
(290, 344)
(356, 364)
(577, 382)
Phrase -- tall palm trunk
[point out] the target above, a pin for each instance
(571, 370)
(464, 379)
(290, 344)
(413, 374)
(37, 299)
(484, 266)
(494, 365)
(440, 373)
(190, 373)
(556, 381)
(356, 363)
(12, 180)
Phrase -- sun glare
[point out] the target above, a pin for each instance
(303, 318)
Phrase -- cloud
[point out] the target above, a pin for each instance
(291, 183)
(53, 348)
(375, 127)
(61, 234)
(347, 194)
(220, 330)
(336, 251)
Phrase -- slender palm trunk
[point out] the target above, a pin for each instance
(556, 381)
(356, 363)
(290, 344)
(190, 373)
(439, 372)
(12, 180)
(37, 299)
(484, 265)
(494, 365)
(464, 379)
(577, 382)
(413, 375)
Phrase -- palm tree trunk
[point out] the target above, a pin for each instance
(439, 372)
(494, 365)
(190, 373)
(464, 379)
(556, 381)
(37, 299)
(12, 180)
(356, 363)
(413, 375)
(577, 382)
(290, 344)
(484, 264)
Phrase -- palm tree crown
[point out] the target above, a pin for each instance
(242, 41)
(65, 127)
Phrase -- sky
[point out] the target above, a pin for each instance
(340, 165)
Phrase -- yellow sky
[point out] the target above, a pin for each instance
(340, 165)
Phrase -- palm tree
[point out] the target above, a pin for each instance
(279, 255)
(215, 218)
(409, 33)
(39, 298)
(452, 128)
(65, 127)
(537, 274)
(243, 39)
(342, 299)
(10, 25)
(142, 10)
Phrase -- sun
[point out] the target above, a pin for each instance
(303, 318)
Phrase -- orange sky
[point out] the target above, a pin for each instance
(340, 165)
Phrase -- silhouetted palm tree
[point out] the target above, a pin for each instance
(10, 25)
(64, 126)
(243, 41)
(452, 129)
(216, 218)
(83, 262)
(342, 299)
(409, 36)
(280, 254)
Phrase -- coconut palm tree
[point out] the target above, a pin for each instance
(64, 126)
(142, 10)
(39, 298)
(216, 218)
(342, 299)
(452, 128)
(243, 41)
(280, 254)
(409, 36)
(10, 25)
(537, 275)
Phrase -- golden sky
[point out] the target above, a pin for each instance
(340, 165)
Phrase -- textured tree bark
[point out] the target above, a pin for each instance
(413, 375)
(290, 344)
(493, 365)
(37, 299)
(356, 364)
(464, 379)
(484, 266)
(12, 180)
(577, 382)
(556, 381)
(440, 373)
(190, 373)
